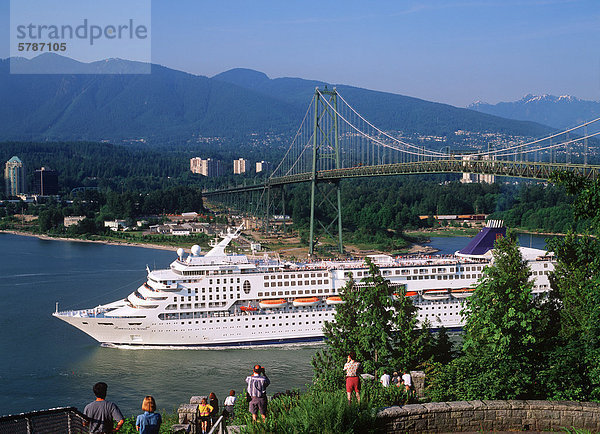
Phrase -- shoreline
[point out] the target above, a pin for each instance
(77, 240)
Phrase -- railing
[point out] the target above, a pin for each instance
(218, 427)
(56, 420)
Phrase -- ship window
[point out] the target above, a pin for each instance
(266, 277)
(293, 283)
(246, 286)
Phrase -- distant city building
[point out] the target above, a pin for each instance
(14, 177)
(468, 178)
(45, 182)
(115, 225)
(239, 166)
(72, 220)
(208, 167)
(263, 166)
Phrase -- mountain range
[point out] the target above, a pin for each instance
(556, 111)
(170, 106)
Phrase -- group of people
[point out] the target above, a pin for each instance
(404, 380)
(101, 414)
(352, 368)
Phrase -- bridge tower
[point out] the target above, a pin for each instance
(326, 150)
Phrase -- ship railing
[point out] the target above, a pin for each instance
(56, 420)
(84, 313)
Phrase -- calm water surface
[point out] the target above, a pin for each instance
(45, 363)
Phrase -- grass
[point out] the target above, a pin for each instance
(311, 412)
(321, 411)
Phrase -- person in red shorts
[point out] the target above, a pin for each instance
(352, 368)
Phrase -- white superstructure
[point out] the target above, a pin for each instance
(221, 299)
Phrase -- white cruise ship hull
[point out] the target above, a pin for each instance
(223, 300)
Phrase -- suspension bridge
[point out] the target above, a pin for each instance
(335, 142)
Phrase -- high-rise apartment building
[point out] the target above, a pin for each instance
(239, 166)
(45, 182)
(208, 167)
(263, 166)
(14, 177)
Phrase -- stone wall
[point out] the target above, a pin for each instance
(472, 416)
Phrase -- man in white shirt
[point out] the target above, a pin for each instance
(385, 379)
(407, 380)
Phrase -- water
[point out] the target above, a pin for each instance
(46, 363)
(449, 245)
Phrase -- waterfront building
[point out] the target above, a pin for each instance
(239, 166)
(209, 167)
(263, 166)
(72, 220)
(115, 225)
(14, 177)
(45, 182)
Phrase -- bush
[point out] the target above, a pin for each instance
(311, 412)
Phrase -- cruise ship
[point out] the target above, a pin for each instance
(220, 299)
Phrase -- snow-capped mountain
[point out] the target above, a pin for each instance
(556, 111)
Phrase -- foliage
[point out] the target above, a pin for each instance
(573, 371)
(504, 331)
(377, 322)
(327, 413)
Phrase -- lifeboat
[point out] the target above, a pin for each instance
(462, 292)
(408, 294)
(435, 294)
(270, 304)
(248, 308)
(309, 301)
(335, 299)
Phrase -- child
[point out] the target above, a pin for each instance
(204, 409)
(229, 404)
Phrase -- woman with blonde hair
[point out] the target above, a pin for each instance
(149, 422)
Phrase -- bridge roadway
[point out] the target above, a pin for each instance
(516, 169)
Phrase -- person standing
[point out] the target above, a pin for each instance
(352, 368)
(406, 380)
(385, 379)
(204, 411)
(149, 422)
(102, 413)
(229, 404)
(214, 403)
(257, 389)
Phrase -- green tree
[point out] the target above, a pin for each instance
(574, 368)
(443, 347)
(503, 334)
(377, 322)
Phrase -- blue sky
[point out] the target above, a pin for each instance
(441, 50)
